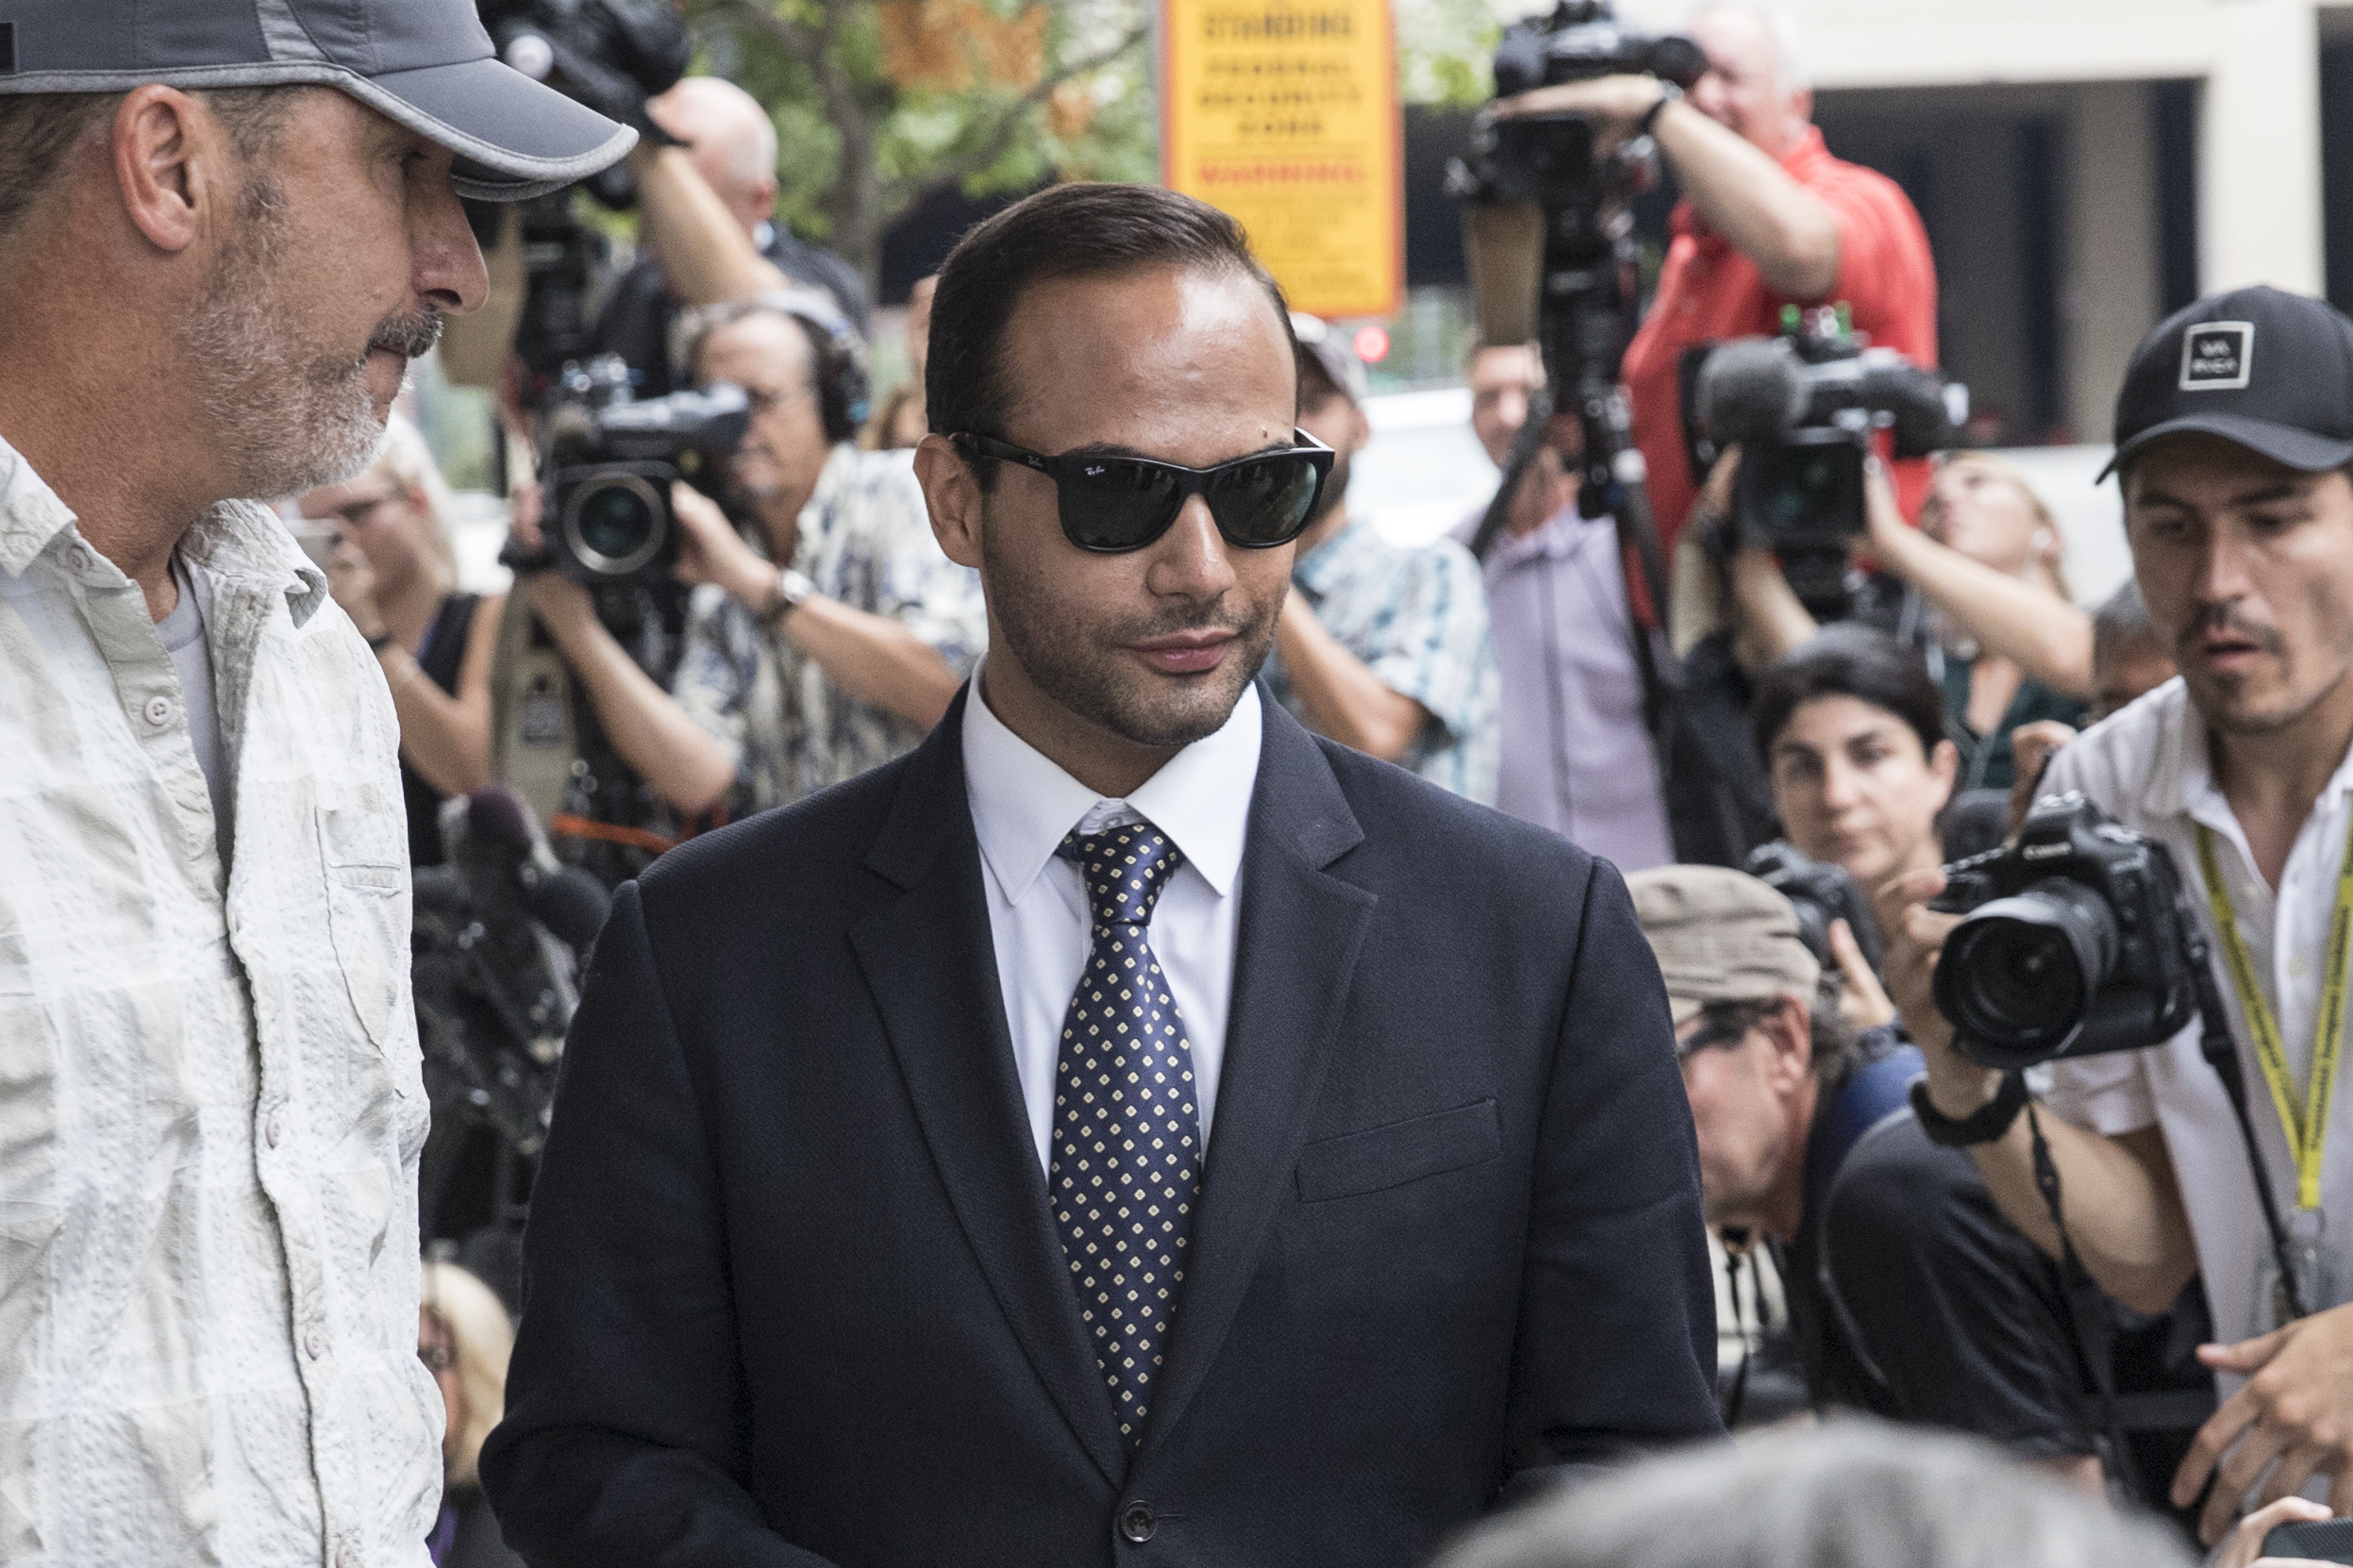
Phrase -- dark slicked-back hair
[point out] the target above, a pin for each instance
(1850, 660)
(1087, 230)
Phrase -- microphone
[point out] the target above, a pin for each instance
(1751, 390)
(565, 899)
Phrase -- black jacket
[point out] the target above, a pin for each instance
(795, 1295)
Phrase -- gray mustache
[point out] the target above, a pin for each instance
(411, 336)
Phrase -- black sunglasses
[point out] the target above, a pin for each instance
(1112, 504)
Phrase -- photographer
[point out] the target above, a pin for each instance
(2006, 643)
(394, 573)
(1908, 1296)
(730, 145)
(827, 644)
(1768, 218)
(1379, 647)
(1851, 731)
(2233, 429)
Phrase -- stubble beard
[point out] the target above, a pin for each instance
(1075, 660)
(282, 418)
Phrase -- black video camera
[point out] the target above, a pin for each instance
(1548, 159)
(610, 461)
(1821, 894)
(1550, 244)
(1803, 409)
(611, 55)
(2077, 943)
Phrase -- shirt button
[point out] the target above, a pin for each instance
(275, 1129)
(2297, 968)
(159, 711)
(79, 558)
(313, 1343)
(1136, 1522)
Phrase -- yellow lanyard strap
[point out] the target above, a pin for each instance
(2303, 1117)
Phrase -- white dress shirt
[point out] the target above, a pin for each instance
(211, 1107)
(2149, 767)
(1023, 805)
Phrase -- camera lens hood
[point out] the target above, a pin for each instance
(2018, 977)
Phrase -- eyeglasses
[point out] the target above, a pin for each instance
(1113, 504)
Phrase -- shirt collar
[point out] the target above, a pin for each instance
(232, 539)
(1023, 804)
(2183, 784)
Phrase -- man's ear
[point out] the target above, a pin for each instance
(953, 495)
(1788, 1030)
(173, 167)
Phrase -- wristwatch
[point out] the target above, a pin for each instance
(791, 588)
(1981, 1125)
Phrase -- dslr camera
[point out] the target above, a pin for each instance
(1804, 407)
(2077, 942)
(610, 461)
(1821, 894)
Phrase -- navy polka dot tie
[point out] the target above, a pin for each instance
(1127, 1144)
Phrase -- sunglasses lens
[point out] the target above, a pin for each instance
(1114, 504)
(1265, 502)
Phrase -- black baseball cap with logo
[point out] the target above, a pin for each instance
(427, 64)
(2266, 369)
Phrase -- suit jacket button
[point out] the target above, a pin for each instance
(1137, 1524)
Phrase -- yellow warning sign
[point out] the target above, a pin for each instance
(1284, 113)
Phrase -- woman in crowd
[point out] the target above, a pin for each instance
(2008, 645)
(465, 1339)
(1852, 732)
(395, 575)
(2013, 647)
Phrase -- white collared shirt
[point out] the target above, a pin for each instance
(211, 1105)
(2148, 766)
(1022, 805)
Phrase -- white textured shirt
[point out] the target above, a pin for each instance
(211, 1107)
(2148, 767)
(1023, 805)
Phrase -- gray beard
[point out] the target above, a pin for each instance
(283, 423)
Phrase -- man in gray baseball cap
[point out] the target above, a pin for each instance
(1908, 1296)
(225, 232)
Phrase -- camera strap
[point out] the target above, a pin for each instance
(2303, 1116)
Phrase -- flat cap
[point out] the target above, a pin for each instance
(1721, 936)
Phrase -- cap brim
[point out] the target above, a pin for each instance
(2282, 443)
(514, 138)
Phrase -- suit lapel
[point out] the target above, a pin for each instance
(931, 963)
(1295, 955)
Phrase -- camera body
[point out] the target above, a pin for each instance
(611, 460)
(1821, 894)
(2077, 942)
(1804, 407)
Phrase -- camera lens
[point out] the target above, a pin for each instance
(616, 524)
(2019, 975)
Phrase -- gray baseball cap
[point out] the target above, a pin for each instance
(427, 64)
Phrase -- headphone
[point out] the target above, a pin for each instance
(839, 366)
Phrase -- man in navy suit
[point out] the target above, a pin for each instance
(1128, 1129)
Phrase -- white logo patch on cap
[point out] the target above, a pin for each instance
(2216, 355)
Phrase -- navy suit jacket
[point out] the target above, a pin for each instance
(795, 1296)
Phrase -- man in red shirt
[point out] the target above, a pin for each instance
(1768, 218)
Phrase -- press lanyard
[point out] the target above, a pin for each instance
(2305, 1117)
